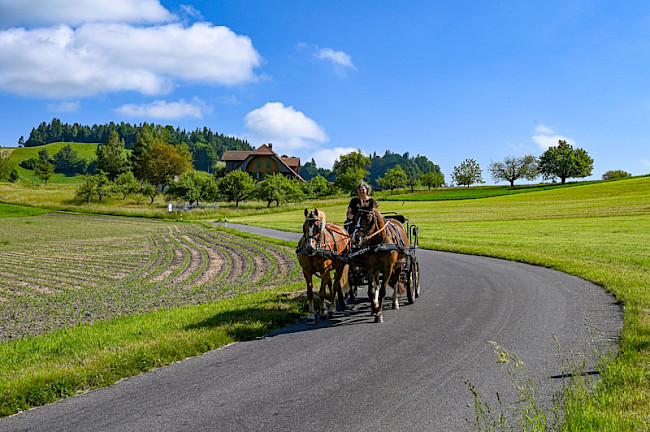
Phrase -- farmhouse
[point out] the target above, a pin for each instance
(262, 162)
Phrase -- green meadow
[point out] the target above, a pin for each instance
(86, 151)
(597, 231)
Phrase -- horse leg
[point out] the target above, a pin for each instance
(373, 291)
(326, 281)
(382, 291)
(341, 282)
(311, 318)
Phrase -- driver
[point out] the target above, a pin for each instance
(362, 199)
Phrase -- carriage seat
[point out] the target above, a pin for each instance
(398, 217)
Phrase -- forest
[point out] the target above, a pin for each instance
(206, 146)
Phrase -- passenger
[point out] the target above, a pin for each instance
(362, 199)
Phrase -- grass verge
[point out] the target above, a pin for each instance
(42, 369)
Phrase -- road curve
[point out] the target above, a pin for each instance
(350, 374)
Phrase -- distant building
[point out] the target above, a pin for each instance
(262, 162)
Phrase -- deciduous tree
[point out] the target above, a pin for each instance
(513, 168)
(126, 184)
(467, 173)
(350, 169)
(565, 162)
(432, 179)
(616, 174)
(44, 171)
(395, 177)
(6, 167)
(237, 186)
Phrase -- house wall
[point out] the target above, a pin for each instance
(261, 166)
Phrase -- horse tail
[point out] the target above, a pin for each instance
(344, 281)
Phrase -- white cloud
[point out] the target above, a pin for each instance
(75, 12)
(95, 58)
(546, 137)
(325, 158)
(285, 127)
(546, 141)
(543, 129)
(192, 12)
(165, 110)
(65, 107)
(338, 58)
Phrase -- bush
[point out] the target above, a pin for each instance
(616, 174)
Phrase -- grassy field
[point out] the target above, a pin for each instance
(86, 151)
(87, 300)
(600, 232)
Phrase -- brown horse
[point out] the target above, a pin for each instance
(372, 230)
(319, 241)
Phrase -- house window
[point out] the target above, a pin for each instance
(268, 164)
(259, 164)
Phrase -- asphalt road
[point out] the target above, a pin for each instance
(350, 374)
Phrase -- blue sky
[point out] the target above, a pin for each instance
(447, 80)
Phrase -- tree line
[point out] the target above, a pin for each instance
(557, 162)
(206, 146)
(379, 171)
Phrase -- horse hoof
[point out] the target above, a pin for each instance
(330, 315)
(395, 305)
(379, 319)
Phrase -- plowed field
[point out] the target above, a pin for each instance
(62, 270)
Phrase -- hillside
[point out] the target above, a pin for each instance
(86, 151)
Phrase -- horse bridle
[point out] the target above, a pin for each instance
(357, 228)
(310, 233)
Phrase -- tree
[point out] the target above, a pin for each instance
(6, 167)
(237, 186)
(319, 187)
(467, 173)
(126, 184)
(44, 155)
(163, 163)
(432, 179)
(44, 171)
(111, 158)
(411, 182)
(147, 189)
(616, 174)
(513, 168)
(103, 186)
(273, 188)
(394, 178)
(194, 186)
(86, 190)
(350, 169)
(67, 161)
(309, 171)
(565, 162)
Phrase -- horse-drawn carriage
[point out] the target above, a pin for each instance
(381, 251)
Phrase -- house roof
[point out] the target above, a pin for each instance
(235, 155)
(291, 163)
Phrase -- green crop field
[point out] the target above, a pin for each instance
(598, 231)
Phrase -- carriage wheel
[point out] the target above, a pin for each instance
(413, 281)
(417, 278)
